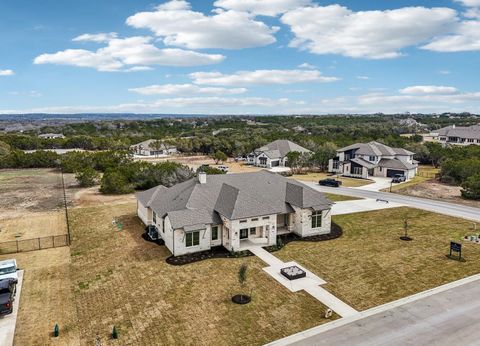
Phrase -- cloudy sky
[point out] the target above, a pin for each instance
(239, 56)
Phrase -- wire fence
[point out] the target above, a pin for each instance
(430, 175)
(33, 244)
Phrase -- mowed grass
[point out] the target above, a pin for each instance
(120, 279)
(369, 265)
(346, 182)
(46, 298)
(340, 198)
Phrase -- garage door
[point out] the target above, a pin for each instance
(391, 172)
(275, 163)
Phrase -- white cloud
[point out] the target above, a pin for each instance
(204, 105)
(367, 34)
(6, 73)
(363, 77)
(445, 72)
(428, 90)
(259, 77)
(469, 3)
(307, 66)
(262, 7)
(184, 89)
(178, 25)
(128, 54)
(100, 37)
(465, 38)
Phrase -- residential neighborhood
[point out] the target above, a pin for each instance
(458, 135)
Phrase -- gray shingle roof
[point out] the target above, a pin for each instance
(149, 145)
(472, 132)
(395, 164)
(280, 148)
(376, 149)
(236, 196)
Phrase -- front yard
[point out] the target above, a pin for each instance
(369, 265)
(346, 182)
(120, 279)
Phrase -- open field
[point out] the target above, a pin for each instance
(424, 185)
(346, 182)
(120, 279)
(369, 265)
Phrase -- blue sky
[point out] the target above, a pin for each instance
(239, 56)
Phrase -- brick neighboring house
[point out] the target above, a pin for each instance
(233, 210)
(274, 154)
(363, 160)
(457, 135)
(148, 148)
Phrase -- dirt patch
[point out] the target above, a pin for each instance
(34, 225)
(92, 196)
(433, 189)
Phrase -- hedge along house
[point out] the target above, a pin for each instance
(233, 210)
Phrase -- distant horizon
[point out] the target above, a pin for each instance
(238, 57)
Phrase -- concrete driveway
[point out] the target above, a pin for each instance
(379, 184)
(451, 209)
(361, 205)
(8, 322)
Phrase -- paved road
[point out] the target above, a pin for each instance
(451, 317)
(451, 209)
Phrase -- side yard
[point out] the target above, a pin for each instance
(369, 265)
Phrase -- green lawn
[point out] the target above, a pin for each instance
(369, 265)
(340, 198)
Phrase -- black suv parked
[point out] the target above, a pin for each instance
(330, 182)
(8, 288)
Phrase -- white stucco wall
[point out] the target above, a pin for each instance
(179, 241)
(144, 213)
(302, 222)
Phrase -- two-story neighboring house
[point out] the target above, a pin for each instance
(363, 160)
(457, 135)
(233, 210)
(274, 154)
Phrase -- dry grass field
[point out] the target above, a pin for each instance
(120, 279)
(385, 268)
(47, 298)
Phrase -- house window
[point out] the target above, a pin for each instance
(253, 231)
(470, 140)
(372, 158)
(214, 232)
(192, 239)
(316, 219)
(163, 225)
(154, 217)
(266, 218)
(243, 221)
(255, 219)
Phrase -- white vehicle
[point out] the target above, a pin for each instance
(8, 269)
(223, 168)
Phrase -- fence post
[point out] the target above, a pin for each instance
(39, 246)
(17, 245)
(53, 238)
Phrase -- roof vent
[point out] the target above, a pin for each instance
(202, 177)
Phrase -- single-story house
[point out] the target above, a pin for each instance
(233, 210)
(457, 135)
(51, 135)
(373, 159)
(153, 147)
(274, 154)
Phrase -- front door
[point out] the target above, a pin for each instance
(253, 232)
(244, 233)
